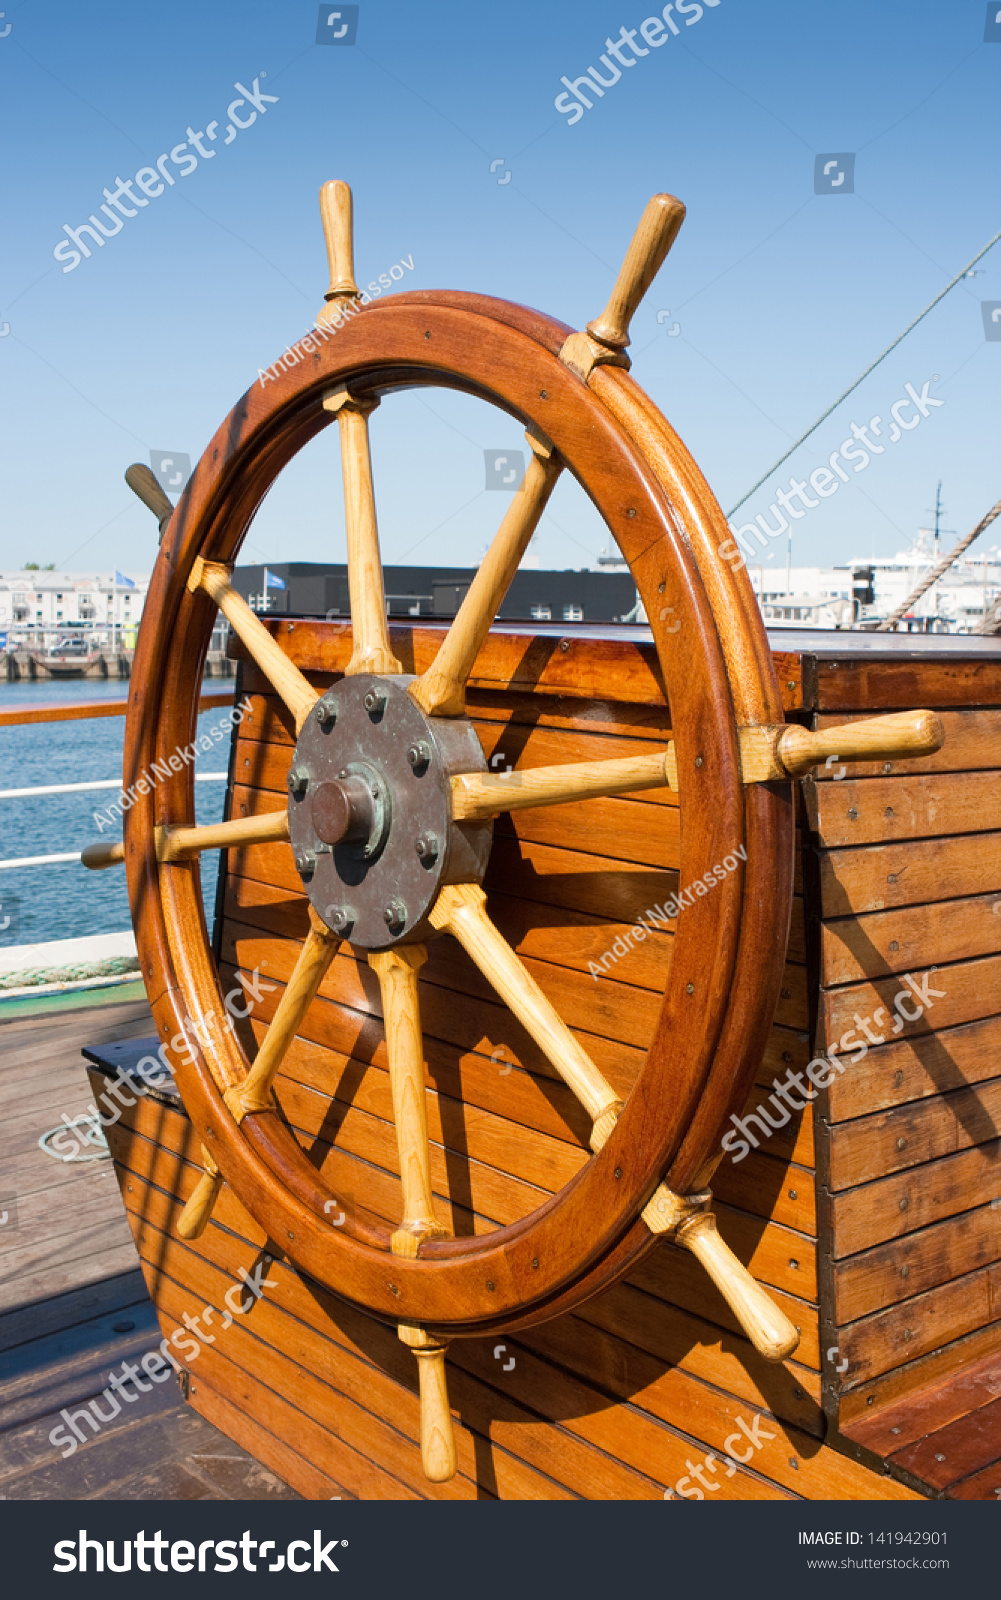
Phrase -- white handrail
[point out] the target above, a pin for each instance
(38, 861)
(97, 783)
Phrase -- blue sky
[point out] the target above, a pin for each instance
(781, 296)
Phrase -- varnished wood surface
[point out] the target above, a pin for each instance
(327, 1386)
(909, 1136)
(738, 972)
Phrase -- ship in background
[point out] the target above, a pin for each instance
(863, 593)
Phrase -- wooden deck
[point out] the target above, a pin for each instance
(73, 1303)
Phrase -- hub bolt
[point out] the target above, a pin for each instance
(326, 716)
(395, 915)
(375, 702)
(339, 918)
(428, 847)
(305, 863)
(298, 782)
(419, 755)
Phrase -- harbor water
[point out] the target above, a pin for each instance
(64, 900)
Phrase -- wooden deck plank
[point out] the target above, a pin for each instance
(958, 1450)
(923, 1412)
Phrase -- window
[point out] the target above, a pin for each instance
(573, 614)
(541, 613)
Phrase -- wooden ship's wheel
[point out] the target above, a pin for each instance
(391, 806)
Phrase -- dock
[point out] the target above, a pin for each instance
(74, 1307)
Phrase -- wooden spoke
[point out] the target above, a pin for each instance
(461, 910)
(657, 230)
(397, 973)
(486, 794)
(784, 750)
(688, 1220)
(142, 483)
(254, 1093)
(103, 853)
(370, 633)
(438, 1456)
(297, 693)
(604, 341)
(771, 1332)
(193, 1221)
(181, 842)
(336, 214)
(441, 690)
(789, 751)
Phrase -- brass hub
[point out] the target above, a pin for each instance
(370, 810)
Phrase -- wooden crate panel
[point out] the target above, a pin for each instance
(891, 1141)
(878, 877)
(587, 668)
(890, 1338)
(891, 1207)
(888, 1273)
(915, 936)
(972, 742)
(917, 1068)
(876, 810)
(861, 684)
(958, 993)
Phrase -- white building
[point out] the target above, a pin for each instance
(37, 606)
(866, 591)
(956, 603)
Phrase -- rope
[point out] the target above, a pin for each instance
(870, 368)
(937, 571)
(992, 621)
(86, 1127)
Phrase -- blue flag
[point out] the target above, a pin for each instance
(272, 580)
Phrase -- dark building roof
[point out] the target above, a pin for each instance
(314, 589)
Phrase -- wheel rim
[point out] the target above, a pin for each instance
(590, 1229)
